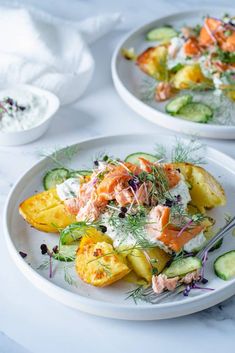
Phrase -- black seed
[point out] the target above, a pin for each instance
(21, 108)
(96, 163)
(22, 254)
(55, 249)
(204, 280)
(178, 170)
(103, 228)
(185, 293)
(43, 248)
(168, 203)
(121, 215)
(123, 209)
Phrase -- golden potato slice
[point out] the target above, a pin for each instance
(140, 261)
(93, 236)
(98, 264)
(153, 61)
(189, 76)
(45, 209)
(206, 192)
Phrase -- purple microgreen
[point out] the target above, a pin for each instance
(22, 254)
(185, 227)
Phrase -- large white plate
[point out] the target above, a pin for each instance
(129, 80)
(110, 301)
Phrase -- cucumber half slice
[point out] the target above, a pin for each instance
(196, 112)
(66, 253)
(224, 265)
(183, 266)
(80, 173)
(73, 232)
(54, 177)
(134, 157)
(161, 33)
(176, 104)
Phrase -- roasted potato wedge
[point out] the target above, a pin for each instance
(153, 61)
(45, 210)
(142, 262)
(94, 236)
(189, 76)
(95, 267)
(206, 192)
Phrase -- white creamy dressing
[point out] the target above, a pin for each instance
(196, 243)
(128, 240)
(68, 189)
(181, 189)
(27, 111)
(176, 53)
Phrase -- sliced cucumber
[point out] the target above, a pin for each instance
(80, 173)
(134, 157)
(73, 232)
(176, 104)
(181, 267)
(224, 265)
(161, 33)
(54, 177)
(196, 112)
(66, 253)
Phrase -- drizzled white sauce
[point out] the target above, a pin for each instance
(196, 243)
(181, 189)
(68, 189)
(32, 112)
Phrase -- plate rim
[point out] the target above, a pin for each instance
(88, 304)
(151, 114)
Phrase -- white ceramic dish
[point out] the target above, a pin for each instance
(29, 135)
(129, 80)
(110, 301)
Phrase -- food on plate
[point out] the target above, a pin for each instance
(46, 212)
(132, 219)
(190, 60)
(224, 265)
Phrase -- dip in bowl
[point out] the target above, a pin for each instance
(25, 113)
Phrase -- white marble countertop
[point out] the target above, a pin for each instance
(29, 317)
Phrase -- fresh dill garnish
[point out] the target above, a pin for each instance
(136, 294)
(160, 151)
(148, 89)
(61, 156)
(132, 225)
(44, 265)
(69, 278)
(182, 152)
(187, 152)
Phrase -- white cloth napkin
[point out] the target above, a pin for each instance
(49, 52)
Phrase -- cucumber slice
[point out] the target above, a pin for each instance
(80, 173)
(181, 267)
(54, 177)
(66, 253)
(224, 265)
(161, 33)
(73, 232)
(217, 245)
(134, 157)
(196, 112)
(176, 104)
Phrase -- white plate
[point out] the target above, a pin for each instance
(128, 79)
(110, 301)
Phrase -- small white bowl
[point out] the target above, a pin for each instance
(29, 135)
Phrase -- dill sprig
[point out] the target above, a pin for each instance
(187, 152)
(136, 294)
(148, 89)
(182, 151)
(69, 278)
(61, 156)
